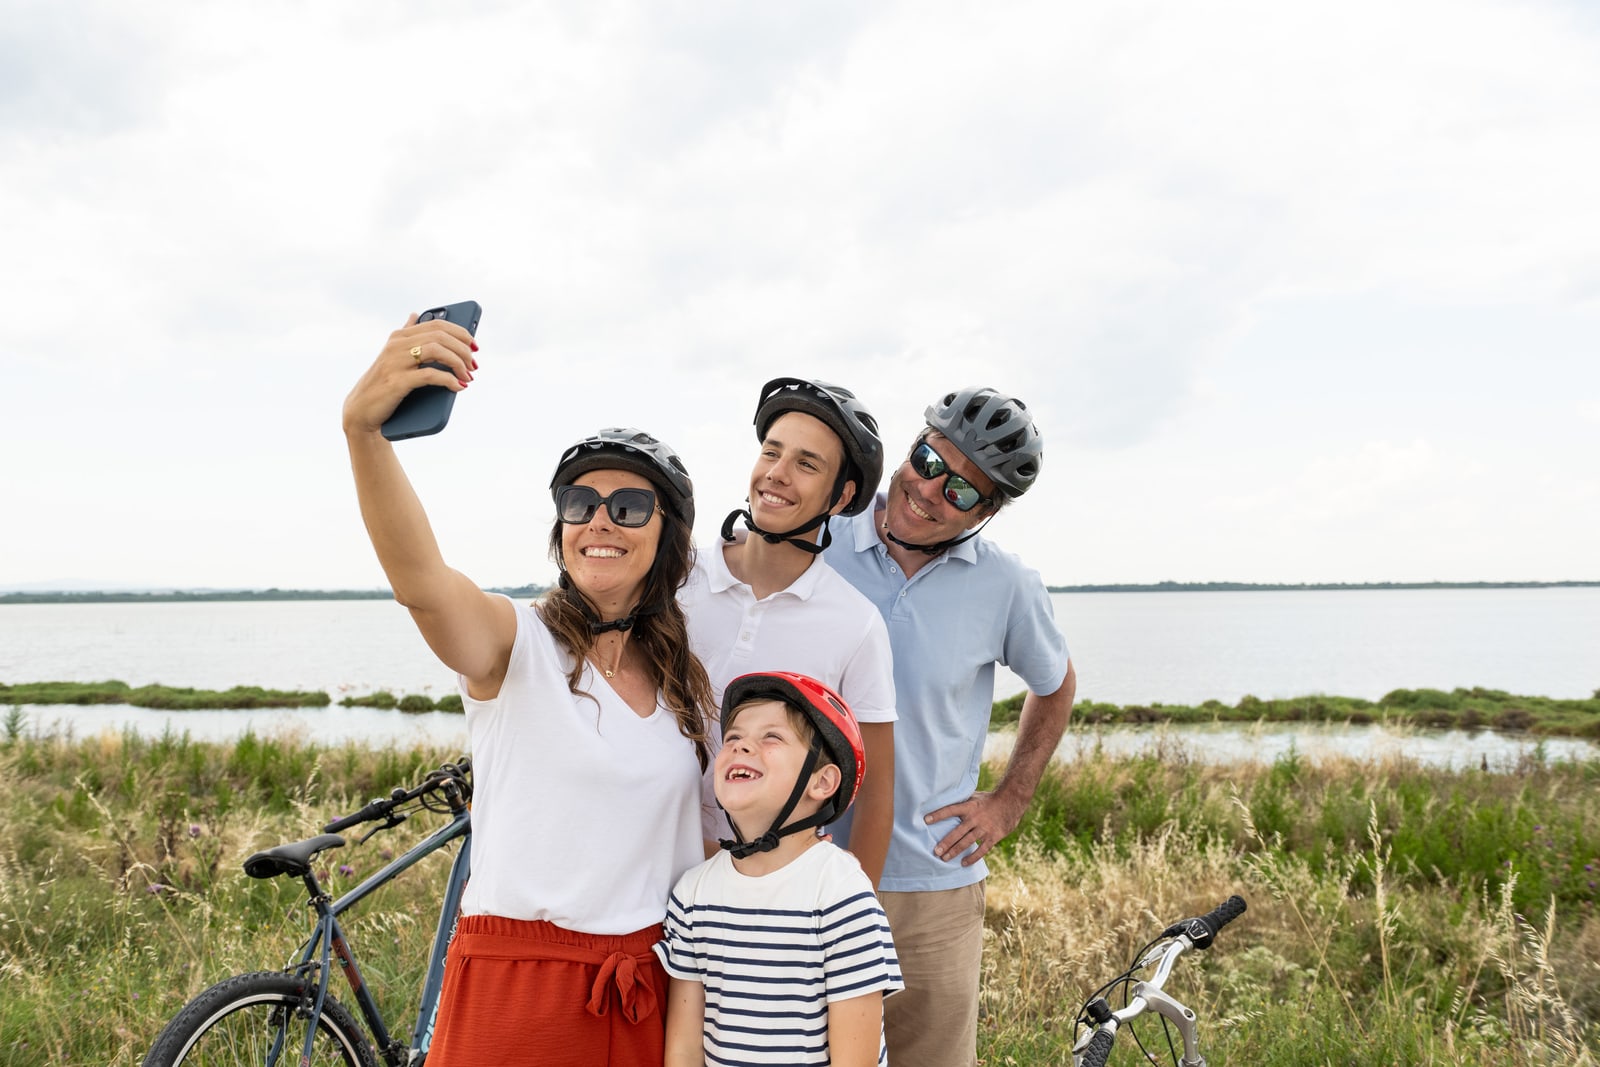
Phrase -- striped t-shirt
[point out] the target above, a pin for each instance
(773, 951)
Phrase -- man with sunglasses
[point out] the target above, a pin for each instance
(764, 599)
(956, 605)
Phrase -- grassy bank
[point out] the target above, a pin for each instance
(1464, 709)
(1461, 709)
(173, 698)
(1397, 914)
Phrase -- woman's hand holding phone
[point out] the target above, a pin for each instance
(410, 388)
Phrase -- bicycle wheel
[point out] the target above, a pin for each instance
(257, 1019)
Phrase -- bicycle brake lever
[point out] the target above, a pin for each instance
(395, 818)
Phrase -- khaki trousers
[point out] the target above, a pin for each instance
(933, 1021)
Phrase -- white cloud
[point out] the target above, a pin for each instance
(1096, 206)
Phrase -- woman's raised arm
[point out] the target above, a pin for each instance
(469, 630)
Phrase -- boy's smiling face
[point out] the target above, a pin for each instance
(794, 474)
(763, 752)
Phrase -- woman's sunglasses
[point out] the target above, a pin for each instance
(928, 464)
(576, 504)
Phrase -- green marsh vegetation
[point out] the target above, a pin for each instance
(1461, 709)
(172, 698)
(1398, 914)
(167, 697)
(1464, 709)
(411, 702)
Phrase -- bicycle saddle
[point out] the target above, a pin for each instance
(292, 859)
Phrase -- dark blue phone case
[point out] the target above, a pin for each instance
(426, 409)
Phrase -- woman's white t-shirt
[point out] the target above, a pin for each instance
(584, 814)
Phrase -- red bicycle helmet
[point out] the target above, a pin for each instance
(838, 735)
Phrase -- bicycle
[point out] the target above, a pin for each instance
(1091, 1049)
(257, 1017)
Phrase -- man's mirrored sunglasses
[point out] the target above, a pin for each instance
(928, 464)
(576, 504)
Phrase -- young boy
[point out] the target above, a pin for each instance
(777, 948)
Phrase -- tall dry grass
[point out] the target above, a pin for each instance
(1398, 914)
(1335, 962)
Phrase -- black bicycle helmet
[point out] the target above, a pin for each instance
(857, 431)
(995, 432)
(838, 738)
(625, 448)
(845, 415)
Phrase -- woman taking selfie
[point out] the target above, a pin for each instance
(586, 715)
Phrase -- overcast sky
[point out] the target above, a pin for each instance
(1297, 292)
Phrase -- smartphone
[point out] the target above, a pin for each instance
(426, 409)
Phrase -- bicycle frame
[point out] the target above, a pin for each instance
(1094, 1046)
(329, 937)
(1150, 994)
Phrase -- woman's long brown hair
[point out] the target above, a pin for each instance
(659, 630)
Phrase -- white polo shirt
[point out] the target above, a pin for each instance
(819, 626)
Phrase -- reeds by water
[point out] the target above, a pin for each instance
(1398, 914)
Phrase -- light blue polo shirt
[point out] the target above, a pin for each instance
(971, 607)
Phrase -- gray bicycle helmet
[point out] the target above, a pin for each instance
(995, 432)
(625, 448)
(845, 415)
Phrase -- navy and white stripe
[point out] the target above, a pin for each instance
(772, 952)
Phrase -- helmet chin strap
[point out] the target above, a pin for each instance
(741, 849)
(935, 549)
(794, 537)
(597, 625)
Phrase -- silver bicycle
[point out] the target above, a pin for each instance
(1100, 1023)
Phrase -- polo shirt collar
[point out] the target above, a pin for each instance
(722, 579)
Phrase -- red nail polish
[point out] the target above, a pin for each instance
(474, 364)
(474, 346)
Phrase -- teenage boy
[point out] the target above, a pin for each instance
(956, 605)
(777, 949)
(765, 599)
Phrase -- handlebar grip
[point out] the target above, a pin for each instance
(366, 814)
(1098, 1048)
(1220, 916)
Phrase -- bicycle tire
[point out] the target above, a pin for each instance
(235, 1022)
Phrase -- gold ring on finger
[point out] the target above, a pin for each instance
(416, 354)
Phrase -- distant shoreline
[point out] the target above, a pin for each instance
(1271, 587)
(162, 596)
(181, 596)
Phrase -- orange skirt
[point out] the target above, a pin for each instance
(523, 992)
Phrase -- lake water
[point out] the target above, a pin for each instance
(1176, 648)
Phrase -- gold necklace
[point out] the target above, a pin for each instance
(622, 646)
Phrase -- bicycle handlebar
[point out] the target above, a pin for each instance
(1099, 1047)
(452, 778)
(1197, 932)
(1203, 930)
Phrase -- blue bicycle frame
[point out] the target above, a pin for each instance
(329, 939)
